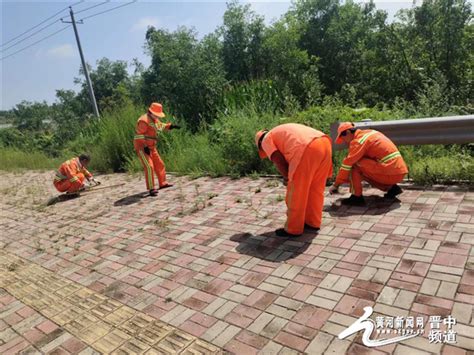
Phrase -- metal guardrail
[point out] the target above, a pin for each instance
(434, 130)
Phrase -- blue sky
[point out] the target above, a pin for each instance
(36, 73)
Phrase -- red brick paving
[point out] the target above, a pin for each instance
(245, 290)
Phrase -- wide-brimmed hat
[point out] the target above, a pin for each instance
(156, 109)
(258, 141)
(344, 126)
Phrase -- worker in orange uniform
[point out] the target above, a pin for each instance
(72, 173)
(146, 137)
(302, 155)
(372, 157)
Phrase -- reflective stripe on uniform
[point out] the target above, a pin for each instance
(289, 199)
(365, 136)
(346, 167)
(141, 136)
(390, 157)
(74, 179)
(59, 176)
(149, 175)
(159, 126)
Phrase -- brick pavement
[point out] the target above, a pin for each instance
(201, 260)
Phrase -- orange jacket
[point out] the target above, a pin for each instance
(374, 145)
(291, 140)
(146, 132)
(70, 169)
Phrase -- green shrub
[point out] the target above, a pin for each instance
(234, 135)
(193, 154)
(430, 164)
(114, 140)
(441, 170)
(227, 146)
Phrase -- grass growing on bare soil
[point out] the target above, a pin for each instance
(13, 160)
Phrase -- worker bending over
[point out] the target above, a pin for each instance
(146, 136)
(372, 157)
(302, 155)
(72, 173)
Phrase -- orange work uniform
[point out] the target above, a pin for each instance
(308, 153)
(146, 135)
(70, 176)
(374, 158)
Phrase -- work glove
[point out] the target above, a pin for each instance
(334, 189)
(147, 150)
(174, 126)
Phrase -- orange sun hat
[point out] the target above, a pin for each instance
(156, 109)
(344, 126)
(258, 142)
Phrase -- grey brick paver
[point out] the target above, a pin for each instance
(218, 270)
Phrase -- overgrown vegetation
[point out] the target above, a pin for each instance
(12, 159)
(323, 61)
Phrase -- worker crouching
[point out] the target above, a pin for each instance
(147, 133)
(302, 155)
(72, 174)
(373, 158)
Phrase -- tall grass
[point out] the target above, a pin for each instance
(431, 164)
(13, 159)
(227, 145)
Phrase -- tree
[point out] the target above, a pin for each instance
(70, 114)
(289, 65)
(343, 37)
(111, 84)
(186, 74)
(242, 38)
(31, 116)
(439, 42)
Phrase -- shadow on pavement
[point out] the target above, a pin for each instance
(130, 200)
(270, 247)
(61, 198)
(374, 205)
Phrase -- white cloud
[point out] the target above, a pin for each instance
(144, 23)
(63, 51)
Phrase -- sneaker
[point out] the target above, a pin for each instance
(309, 228)
(153, 192)
(394, 191)
(354, 201)
(281, 232)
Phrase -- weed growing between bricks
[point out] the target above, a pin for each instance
(225, 278)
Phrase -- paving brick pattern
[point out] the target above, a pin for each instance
(76, 317)
(201, 261)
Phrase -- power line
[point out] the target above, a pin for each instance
(62, 29)
(32, 44)
(39, 24)
(84, 66)
(103, 12)
(31, 35)
(91, 7)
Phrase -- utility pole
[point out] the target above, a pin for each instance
(84, 66)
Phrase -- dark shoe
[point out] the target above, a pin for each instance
(311, 228)
(166, 186)
(353, 201)
(153, 192)
(394, 191)
(280, 232)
